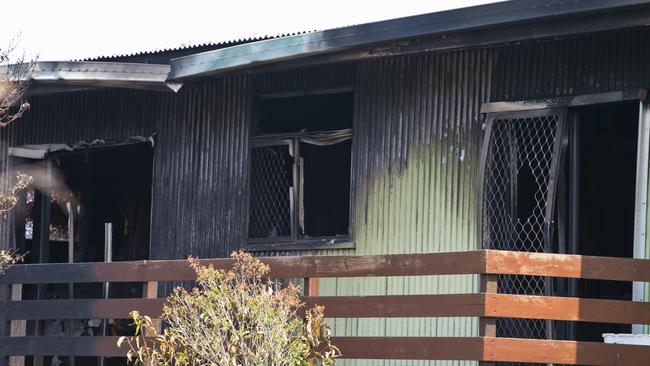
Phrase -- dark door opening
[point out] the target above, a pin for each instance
(596, 201)
(591, 154)
(98, 200)
(97, 186)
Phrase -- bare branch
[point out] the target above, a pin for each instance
(15, 76)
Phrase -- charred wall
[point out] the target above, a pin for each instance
(417, 132)
(417, 129)
(199, 170)
(574, 65)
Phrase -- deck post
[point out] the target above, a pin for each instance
(151, 292)
(488, 326)
(310, 286)
(18, 328)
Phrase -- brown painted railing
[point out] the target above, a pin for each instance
(488, 305)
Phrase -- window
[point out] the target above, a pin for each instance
(551, 179)
(300, 170)
(520, 156)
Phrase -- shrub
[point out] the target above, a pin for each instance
(235, 317)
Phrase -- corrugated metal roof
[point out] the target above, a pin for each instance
(478, 25)
(147, 56)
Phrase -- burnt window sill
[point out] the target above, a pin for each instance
(339, 242)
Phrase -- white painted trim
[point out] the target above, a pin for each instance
(641, 201)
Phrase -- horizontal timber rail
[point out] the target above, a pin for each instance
(470, 262)
(392, 306)
(487, 349)
(281, 267)
(486, 304)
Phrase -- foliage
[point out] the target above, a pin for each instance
(234, 318)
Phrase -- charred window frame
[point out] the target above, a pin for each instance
(573, 161)
(273, 193)
(300, 178)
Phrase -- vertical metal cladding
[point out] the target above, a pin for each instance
(69, 118)
(417, 132)
(417, 128)
(415, 164)
(200, 173)
(306, 78)
(594, 63)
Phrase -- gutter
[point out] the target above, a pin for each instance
(53, 76)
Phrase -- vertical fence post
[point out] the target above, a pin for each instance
(18, 328)
(488, 326)
(310, 287)
(4, 324)
(151, 292)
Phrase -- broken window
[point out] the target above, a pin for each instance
(300, 169)
(551, 179)
(520, 155)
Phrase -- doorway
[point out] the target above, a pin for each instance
(86, 205)
(596, 203)
(561, 180)
(75, 194)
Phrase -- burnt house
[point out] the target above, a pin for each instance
(518, 127)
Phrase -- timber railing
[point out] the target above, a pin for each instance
(486, 304)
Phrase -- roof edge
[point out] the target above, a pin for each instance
(471, 18)
(98, 75)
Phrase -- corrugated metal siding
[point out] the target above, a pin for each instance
(201, 171)
(417, 132)
(199, 161)
(415, 164)
(69, 118)
(321, 77)
(577, 65)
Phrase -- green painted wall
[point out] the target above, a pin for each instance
(415, 163)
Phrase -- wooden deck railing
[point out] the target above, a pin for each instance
(487, 305)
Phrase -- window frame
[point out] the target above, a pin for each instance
(295, 241)
(293, 196)
(263, 244)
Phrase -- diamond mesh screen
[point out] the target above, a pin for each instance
(516, 178)
(271, 180)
